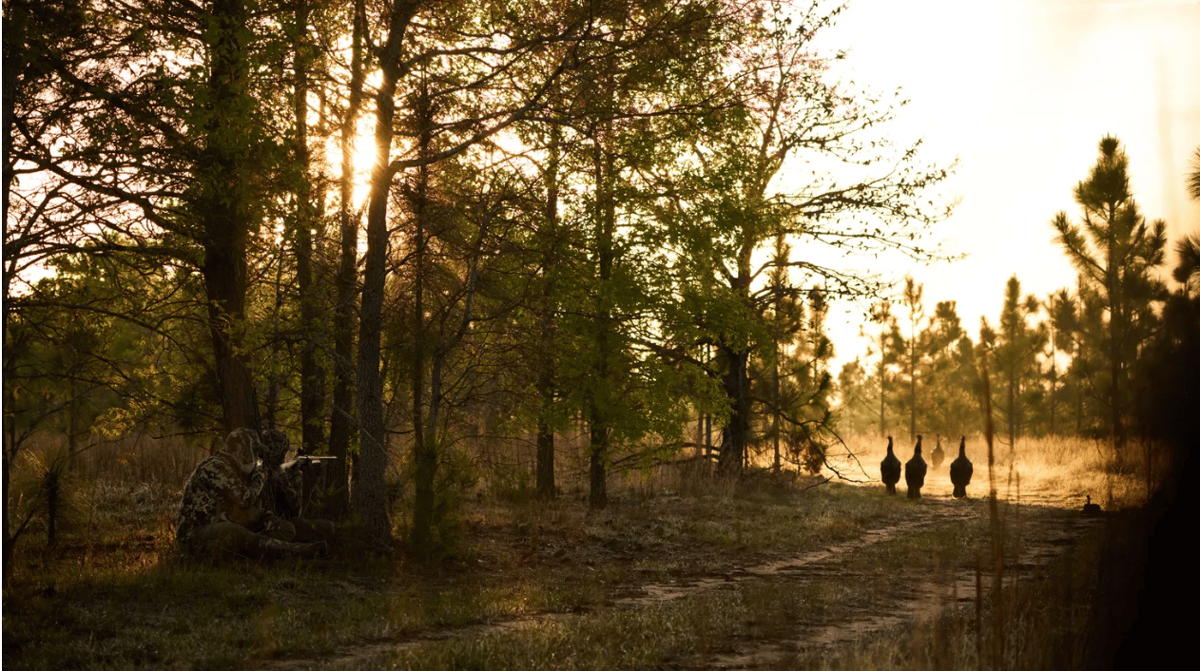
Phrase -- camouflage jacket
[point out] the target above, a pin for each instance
(281, 494)
(285, 482)
(219, 490)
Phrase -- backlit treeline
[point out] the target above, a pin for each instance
(1108, 358)
(573, 221)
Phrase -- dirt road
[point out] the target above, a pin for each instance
(1040, 529)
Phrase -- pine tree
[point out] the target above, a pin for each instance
(911, 350)
(1014, 350)
(1114, 250)
(949, 407)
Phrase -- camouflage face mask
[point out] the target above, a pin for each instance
(244, 447)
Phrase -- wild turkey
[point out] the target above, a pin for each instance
(937, 455)
(1091, 509)
(960, 470)
(889, 468)
(914, 472)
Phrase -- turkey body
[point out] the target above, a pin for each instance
(960, 470)
(914, 472)
(889, 468)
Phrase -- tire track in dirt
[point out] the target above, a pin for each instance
(1047, 531)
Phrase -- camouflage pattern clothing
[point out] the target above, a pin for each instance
(221, 511)
(224, 488)
(282, 492)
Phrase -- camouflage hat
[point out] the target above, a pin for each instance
(243, 446)
(275, 446)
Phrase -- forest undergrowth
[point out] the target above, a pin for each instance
(680, 571)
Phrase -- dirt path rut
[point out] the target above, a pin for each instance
(1045, 525)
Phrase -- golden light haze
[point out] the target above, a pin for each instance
(1021, 92)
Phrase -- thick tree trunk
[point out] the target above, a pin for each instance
(737, 429)
(341, 423)
(597, 466)
(14, 45)
(223, 208)
(312, 376)
(603, 392)
(427, 454)
(10, 537)
(369, 491)
(599, 420)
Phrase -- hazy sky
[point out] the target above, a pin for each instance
(1021, 92)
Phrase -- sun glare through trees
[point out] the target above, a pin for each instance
(562, 305)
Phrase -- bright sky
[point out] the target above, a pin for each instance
(1021, 91)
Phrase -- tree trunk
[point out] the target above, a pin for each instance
(369, 491)
(1116, 331)
(912, 394)
(546, 362)
(545, 448)
(341, 423)
(882, 390)
(1012, 410)
(1053, 366)
(1118, 428)
(223, 209)
(597, 454)
(1078, 409)
(15, 44)
(708, 444)
(425, 452)
(1053, 394)
(10, 537)
(776, 419)
(312, 376)
(603, 394)
(737, 429)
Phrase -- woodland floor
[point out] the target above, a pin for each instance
(904, 596)
(765, 575)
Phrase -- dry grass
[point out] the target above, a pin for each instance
(114, 594)
(1060, 469)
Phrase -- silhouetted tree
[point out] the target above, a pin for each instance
(950, 406)
(911, 350)
(1014, 350)
(1115, 250)
(885, 344)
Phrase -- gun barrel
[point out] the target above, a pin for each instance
(305, 459)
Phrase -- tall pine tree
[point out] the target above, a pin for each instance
(1115, 250)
